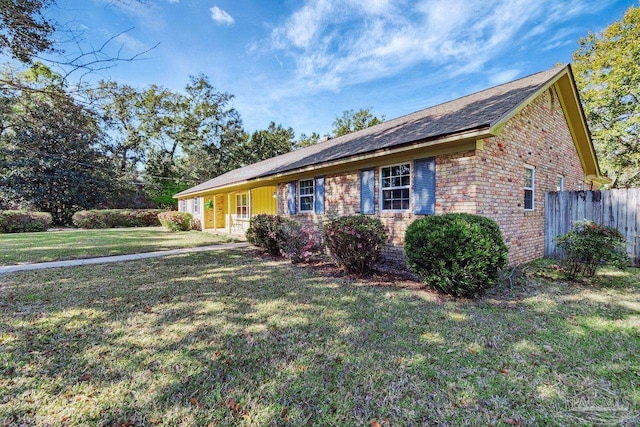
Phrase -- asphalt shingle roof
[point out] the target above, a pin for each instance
(477, 111)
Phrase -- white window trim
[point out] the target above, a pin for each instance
(561, 182)
(532, 188)
(196, 204)
(240, 216)
(312, 195)
(380, 190)
(183, 206)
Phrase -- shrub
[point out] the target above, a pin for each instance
(589, 245)
(24, 221)
(296, 242)
(111, 218)
(458, 254)
(265, 231)
(176, 221)
(355, 242)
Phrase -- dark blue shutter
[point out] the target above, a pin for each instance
(291, 197)
(318, 189)
(424, 186)
(367, 192)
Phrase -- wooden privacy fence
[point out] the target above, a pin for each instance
(615, 208)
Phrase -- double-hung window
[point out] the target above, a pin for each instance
(183, 205)
(305, 195)
(529, 187)
(242, 205)
(395, 187)
(196, 205)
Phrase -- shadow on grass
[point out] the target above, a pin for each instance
(230, 339)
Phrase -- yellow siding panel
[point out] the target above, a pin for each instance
(262, 200)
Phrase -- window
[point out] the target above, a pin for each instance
(395, 187)
(529, 186)
(581, 186)
(242, 205)
(305, 193)
(560, 186)
(183, 205)
(196, 205)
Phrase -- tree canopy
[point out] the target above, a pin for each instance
(607, 71)
(352, 121)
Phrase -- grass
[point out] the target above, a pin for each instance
(73, 244)
(233, 339)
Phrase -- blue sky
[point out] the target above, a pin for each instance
(301, 63)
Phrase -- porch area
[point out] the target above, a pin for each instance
(230, 212)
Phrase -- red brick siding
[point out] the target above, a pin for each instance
(487, 182)
(537, 136)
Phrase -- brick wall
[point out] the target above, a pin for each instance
(537, 136)
(488, 182)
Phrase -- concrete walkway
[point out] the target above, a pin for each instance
(117, 258)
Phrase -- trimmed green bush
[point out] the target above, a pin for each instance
(112, 218)
(589, 245)
(265, 231)
(356, 242)
(458, 254)
(176, 221)
(24, 221)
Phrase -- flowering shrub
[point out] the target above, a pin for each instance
(589, 245)
(24, 221)
(458, 253)
(111, 218)
(265, 231)
(355, 242)
(176, 221)
(296, 242)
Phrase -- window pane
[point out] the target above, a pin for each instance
(306, 203)
(386, 182)
(528, 177)
(405, 180)
(386, 172)
(528, 199)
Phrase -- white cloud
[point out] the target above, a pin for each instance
(338, 43)
(221, 17)
(131, 44)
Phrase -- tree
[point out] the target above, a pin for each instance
(351, 121)
(24, 30)
(306, 141)
(118, 106)
(607, 70)
(50, 156)
(264, 144)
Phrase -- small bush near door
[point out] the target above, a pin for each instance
(24, 221)
(589, 245)
(176, 221)
(356, 242)
(457, 254)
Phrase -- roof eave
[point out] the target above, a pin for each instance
(475, 133)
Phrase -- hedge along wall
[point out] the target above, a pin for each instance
(111, 218)
(24, 221)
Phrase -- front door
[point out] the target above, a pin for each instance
(208, 212)
(220, 211)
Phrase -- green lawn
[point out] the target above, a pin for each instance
(58, 245)
(228, 338)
